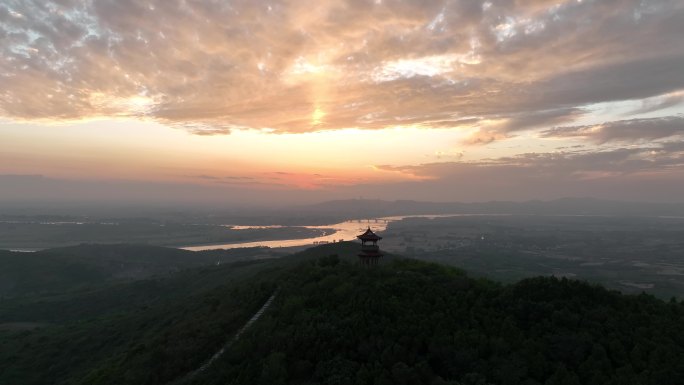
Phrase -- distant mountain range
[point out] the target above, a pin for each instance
(362, 208)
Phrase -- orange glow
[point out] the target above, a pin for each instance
(318, 95)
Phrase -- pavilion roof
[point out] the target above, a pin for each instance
(369, 235)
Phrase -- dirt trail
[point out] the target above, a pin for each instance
(228, 344)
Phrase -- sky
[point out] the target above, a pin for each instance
(268, 102)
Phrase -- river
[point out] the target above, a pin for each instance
(344, 231)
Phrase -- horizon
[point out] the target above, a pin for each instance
(262, 103)
(334, 209)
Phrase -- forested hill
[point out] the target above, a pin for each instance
(411, 322)
(77, 267)
(336, 322)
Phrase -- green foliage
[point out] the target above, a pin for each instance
(337, 322)
(411, 322)
(145, 332)
(85, 266)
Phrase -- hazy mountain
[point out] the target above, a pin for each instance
(364, 208)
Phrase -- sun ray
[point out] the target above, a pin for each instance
(317, 116)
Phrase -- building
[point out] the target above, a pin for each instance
(370, 251)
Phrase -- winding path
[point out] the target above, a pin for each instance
(228, 344)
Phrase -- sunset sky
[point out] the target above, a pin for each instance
(295, 101)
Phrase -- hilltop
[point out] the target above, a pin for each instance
(336, 322)
(412, 322)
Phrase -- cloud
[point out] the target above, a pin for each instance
(485, 136)
(630, 130)
(536, 119)
(449, 154)
(501, 127)
(219, 179)
(650, 173)
(294, 66)
(572, 165)
(278, 179)
(653, 172)
(658, 103)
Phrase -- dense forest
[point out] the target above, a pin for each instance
(336, 322)
(147, 332)
(79, 267)
(412, 322)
